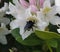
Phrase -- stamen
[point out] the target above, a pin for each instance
(46, 10)
(33, 19)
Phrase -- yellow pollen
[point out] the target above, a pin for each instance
(33, 19)
(46, 10)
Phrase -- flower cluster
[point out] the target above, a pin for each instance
(30, 16)
(3, 22)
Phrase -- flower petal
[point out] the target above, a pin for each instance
(14, 24)
(18, 5)
(3, 40)
(57, 2)
(58, 30)
(55, 20)
(28, 12)
(13, 10)
(32, 2)
(5, 20)
(24, 3)
(58, 9)
(16, 2)
(41, 3)
(24, 34)
(34, 9)
(40, 16)
(47, 4)
(3, 9)
(53, 11)
(3, 30)
(16, 12)
(42, 25)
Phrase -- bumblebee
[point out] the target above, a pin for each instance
(29, 25)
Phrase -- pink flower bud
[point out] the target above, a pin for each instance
(32, 2)
(41, 3)
(24, 3)
(34, 9)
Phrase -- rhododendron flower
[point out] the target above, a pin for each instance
(27, 22)
(48, 13)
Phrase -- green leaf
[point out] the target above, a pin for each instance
(10, 0)
(52, 43)
(58, 48)
(45, 35)
(36, 51)
(32, 40)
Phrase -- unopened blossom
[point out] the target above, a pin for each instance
(35, 5)
(27, 22)
(3, 32)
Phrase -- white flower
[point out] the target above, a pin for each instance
(25, 20)
(28, 24)
(3, 21)
(2, 13)
(50, 14)
(3, 32)
(47, 13)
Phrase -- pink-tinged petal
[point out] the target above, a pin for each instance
(32, 2)
(41, 3)
(34, 9)
(24, 3)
